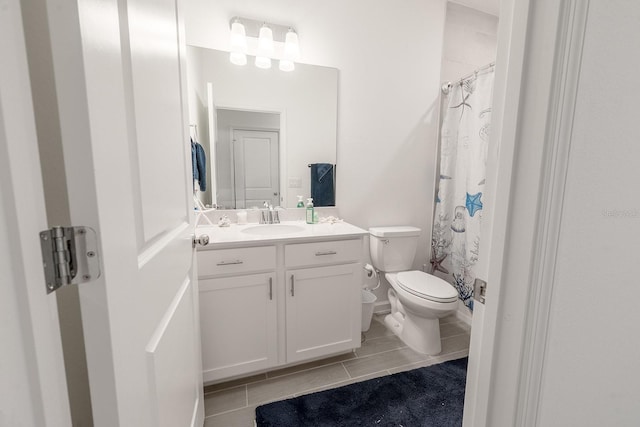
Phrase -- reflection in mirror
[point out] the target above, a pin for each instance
(261, 129)
(247, 158)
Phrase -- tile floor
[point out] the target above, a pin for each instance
(232, 404)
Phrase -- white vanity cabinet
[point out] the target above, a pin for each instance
(279, 302)
(323, 303)
(238, 311)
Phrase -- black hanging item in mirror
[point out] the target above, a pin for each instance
(323, 189)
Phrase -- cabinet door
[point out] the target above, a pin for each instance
(323, 311)
(238, 325)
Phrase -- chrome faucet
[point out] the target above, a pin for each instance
(268, 215)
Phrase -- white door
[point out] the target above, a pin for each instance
(120, 81)
(256, 168)
(511, 43)
(33, 389)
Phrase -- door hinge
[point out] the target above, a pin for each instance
(479, 290)
(69, 256)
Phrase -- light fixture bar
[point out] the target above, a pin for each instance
(252, 28)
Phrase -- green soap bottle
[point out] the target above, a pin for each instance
(309, 215)
(300, 202)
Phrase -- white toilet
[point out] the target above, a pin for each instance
(418, 300)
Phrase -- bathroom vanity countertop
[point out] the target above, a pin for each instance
(236, 234)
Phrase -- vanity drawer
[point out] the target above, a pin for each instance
(232, 261)
(320, 253)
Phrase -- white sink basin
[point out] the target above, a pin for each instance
(273, 229)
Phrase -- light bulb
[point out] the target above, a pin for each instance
(238, 37)
(263, 62)
(291, 46)
(238, 44)
(238, 58)
(286, 65)
(265, 41)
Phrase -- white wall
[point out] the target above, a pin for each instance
(389, 56)
(591, 374)
(470, 41)
(198, 117)
(491, 7)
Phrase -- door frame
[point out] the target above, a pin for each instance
(537, 72)
(33, 389)
(212, 114)
(509, 70)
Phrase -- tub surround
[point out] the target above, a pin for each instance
(276, 295)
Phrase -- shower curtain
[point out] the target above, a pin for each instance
(460, 191)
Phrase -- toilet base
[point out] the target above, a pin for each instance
(394, 323)
(418, 333)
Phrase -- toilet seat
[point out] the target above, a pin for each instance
(427, 286)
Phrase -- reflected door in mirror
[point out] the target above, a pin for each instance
(255, 164)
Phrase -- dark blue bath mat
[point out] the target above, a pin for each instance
(424, 397)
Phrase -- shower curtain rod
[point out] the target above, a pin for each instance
(446, 86)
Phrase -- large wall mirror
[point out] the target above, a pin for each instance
(261, 130)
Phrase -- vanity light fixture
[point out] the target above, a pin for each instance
(264, 40)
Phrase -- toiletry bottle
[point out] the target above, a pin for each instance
(300, 202)
(309, 211)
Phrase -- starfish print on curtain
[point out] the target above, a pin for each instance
(464, 139)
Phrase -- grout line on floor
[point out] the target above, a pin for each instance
(345, 368)
(452, 336)
(380, 352)
(346, 371)
(300, 371)
(232, 386)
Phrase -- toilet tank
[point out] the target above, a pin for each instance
(393, 248)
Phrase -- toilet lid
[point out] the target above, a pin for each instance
(427, 286)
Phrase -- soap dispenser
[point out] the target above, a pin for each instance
(300, 202)
(309, 215)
